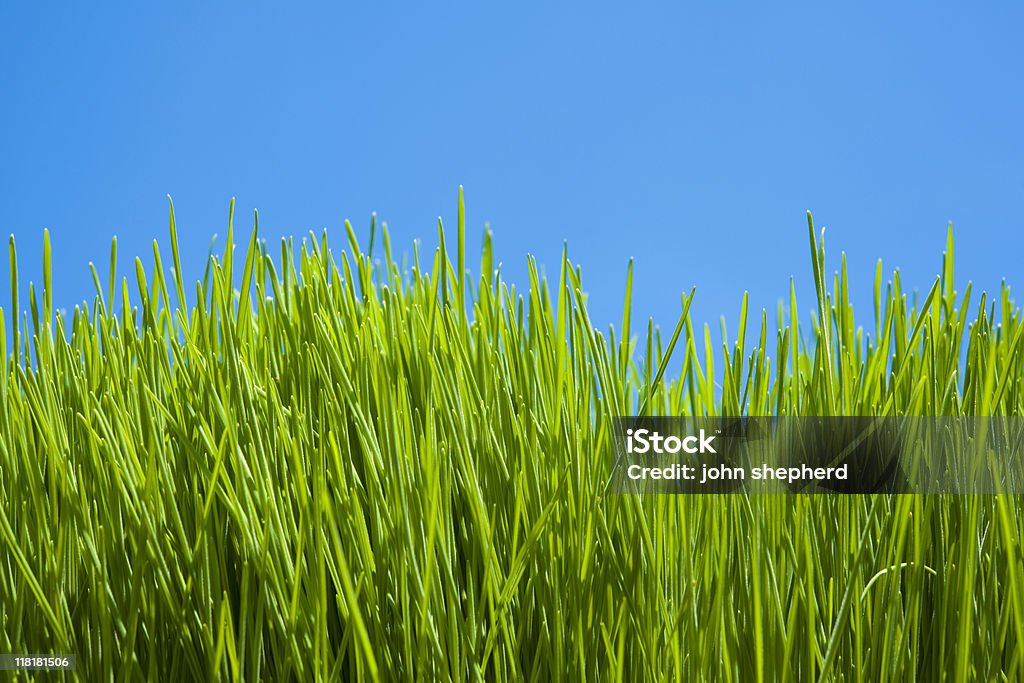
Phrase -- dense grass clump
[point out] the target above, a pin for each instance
(341, 469)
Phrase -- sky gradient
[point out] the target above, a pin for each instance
(693, 140)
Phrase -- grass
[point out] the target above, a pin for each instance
(344, 470)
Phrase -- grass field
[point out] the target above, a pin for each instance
(340, 470)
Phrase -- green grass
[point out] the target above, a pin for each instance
(346, 470)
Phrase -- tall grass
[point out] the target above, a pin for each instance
(344, 470)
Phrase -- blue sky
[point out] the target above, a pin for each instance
(692, 139)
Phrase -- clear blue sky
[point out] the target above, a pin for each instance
(691, 139)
